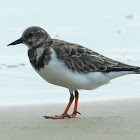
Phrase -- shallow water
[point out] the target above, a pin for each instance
(114, 34)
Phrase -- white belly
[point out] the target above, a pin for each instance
(57, 73)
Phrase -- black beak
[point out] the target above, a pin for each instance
(16, 42)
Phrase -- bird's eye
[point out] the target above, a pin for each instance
(30, 34)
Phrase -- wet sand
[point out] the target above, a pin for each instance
(100, 120)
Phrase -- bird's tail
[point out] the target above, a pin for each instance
(137, 70)
(120, 69)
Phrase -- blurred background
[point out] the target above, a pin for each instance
(109, 27)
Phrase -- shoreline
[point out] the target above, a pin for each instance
(58, 101)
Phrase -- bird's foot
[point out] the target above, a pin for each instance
(63, 116)
(74, 114)
(57, 117)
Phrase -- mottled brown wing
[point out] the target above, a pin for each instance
(83, 60)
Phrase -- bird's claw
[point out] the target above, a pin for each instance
(74, 114)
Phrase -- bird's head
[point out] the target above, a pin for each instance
(33, 37)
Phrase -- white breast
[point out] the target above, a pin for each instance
(57, 73)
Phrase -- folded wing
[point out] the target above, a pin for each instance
(82, 60)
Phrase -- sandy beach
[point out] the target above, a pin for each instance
(100, 120)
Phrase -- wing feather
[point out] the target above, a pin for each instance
(83, 60)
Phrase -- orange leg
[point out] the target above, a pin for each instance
(69, 104)
(75, 112)
(65, 112)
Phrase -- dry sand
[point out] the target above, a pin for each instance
(100, 120)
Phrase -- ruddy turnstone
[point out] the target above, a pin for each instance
(70, 65)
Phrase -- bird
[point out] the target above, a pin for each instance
(70, 65)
